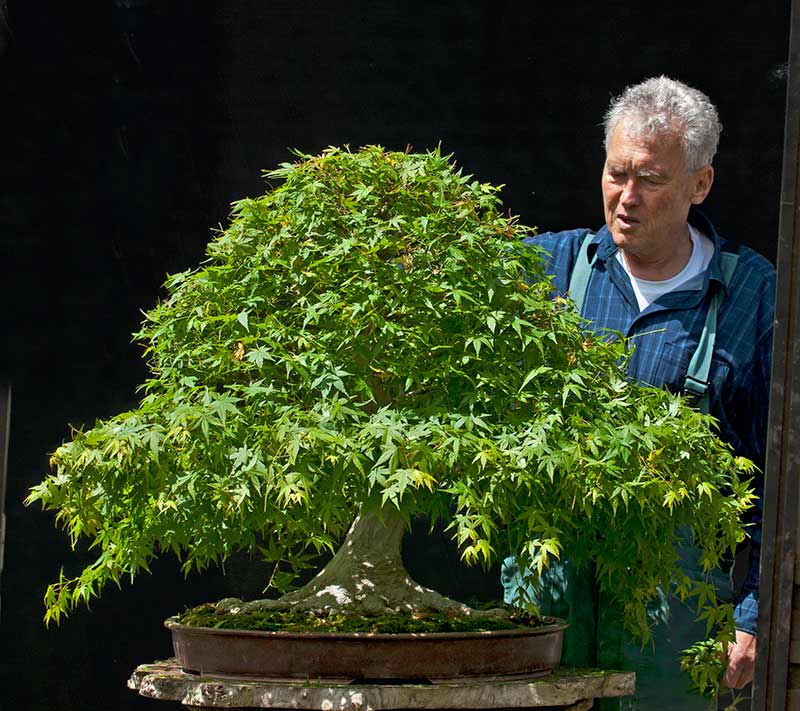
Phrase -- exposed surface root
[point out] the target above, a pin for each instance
(365, 577)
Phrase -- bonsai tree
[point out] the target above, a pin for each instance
(372, 341)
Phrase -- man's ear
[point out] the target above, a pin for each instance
(703, 180)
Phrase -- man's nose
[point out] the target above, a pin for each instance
(630, 193)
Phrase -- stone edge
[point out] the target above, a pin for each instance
(166, 681)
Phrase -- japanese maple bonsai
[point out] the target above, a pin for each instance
(372, 341)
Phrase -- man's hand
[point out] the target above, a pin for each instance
(741, 661)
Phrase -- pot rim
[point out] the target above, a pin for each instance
(553, 624)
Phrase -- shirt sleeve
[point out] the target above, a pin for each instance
(745, 613)
(753, 428)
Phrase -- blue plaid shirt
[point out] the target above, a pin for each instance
(666, 334)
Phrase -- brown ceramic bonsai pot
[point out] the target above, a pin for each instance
(368, 657)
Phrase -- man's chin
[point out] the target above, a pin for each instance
(623, 236)
(620, 239)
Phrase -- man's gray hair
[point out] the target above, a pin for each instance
(662, 105)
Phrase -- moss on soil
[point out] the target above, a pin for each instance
(282, 621)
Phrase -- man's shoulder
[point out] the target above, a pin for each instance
(565, 239)
(753, 270)
(750, 295)
(750, 259)
(561, 247)
(561, 250)
(750, 263)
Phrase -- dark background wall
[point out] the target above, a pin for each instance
(128, 131)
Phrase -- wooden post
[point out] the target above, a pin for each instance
(5, 419)
(777, 680)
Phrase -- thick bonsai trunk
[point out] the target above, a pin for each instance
(366, 576)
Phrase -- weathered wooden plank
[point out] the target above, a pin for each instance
(5, 419)
(796, 616)
(781, 490)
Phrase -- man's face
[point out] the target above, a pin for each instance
(647, 192)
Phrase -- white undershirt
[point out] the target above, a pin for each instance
(647, 291)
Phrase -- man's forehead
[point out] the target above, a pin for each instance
(658, 153)
(642, 165)
(640, 172)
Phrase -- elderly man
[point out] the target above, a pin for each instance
(652, 273)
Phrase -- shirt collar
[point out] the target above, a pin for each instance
(698, 219)
(603, 243)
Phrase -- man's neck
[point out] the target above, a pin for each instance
(662, 265)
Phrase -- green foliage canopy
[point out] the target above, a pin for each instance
(374, 330)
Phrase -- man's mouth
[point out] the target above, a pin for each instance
(626, 220)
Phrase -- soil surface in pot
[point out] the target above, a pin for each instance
(207, 615)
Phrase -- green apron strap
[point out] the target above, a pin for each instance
(696, 382)
(579, 280)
